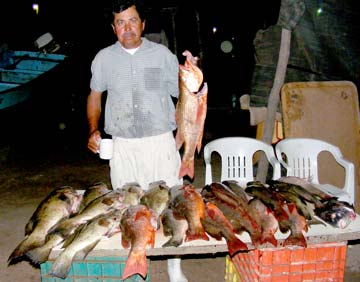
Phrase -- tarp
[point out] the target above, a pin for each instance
(325, 45)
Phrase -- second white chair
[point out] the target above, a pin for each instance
(237, 155)
(299, 156)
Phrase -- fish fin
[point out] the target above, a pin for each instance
(295, 240)
(39, 255)
(187, 168)
(199, 143)
(135, 264)
(61, 265)
(256, 239)
(85, 251)
(125, 243)
(29, 227)
(152, 239)
(200, 120)
(17, 255)
(23, 247)
(172, 243)
(70, 237)
(315, 221)
(270, 238)
(199, 235)
(217, 237)
(179, 140)
(235, 245)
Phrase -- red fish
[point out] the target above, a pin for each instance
(296, 224)
(285, 213)
(266, 219)
(190, 113)
(187, 203)
(138, 227)
(218, 226)
(235, 209)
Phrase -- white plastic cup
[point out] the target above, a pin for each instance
(106, 149)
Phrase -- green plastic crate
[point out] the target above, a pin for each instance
(103, 269)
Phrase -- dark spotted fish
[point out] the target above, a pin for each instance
(59, 204)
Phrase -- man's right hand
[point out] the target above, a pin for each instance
(94, 141)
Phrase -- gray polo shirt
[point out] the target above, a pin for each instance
(139, 89)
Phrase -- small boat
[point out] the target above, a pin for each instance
(19, 70)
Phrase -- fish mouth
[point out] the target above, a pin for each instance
(343, 223)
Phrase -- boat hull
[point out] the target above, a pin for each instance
(22, 70)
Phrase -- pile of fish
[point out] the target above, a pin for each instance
(221, 210)
(190, 113)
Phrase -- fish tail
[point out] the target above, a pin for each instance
(295, 240)
(135, 264)
(61, 265)
(26, 245)
(187, 168)
(256, 240)
(235, 245)
(269, 238)
(39, 255)
(197, 235)
(16, 255)
(172, 243)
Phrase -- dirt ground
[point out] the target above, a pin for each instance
(28, 175)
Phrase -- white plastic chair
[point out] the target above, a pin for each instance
(237, 158)
(299, 156)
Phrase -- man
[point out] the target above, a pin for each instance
(140, 78)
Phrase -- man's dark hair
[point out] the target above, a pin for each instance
(121, 5)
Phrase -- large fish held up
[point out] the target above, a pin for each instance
(190, 113)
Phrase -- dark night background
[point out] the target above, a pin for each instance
(82, 30)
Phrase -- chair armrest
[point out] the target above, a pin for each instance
(349, 184)
(208, 174)
(276, 168)
(207, 160)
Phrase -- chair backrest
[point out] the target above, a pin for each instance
(237, 158)
(299, 156)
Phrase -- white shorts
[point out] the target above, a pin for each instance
(145, 160)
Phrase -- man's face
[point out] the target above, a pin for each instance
(128, 28)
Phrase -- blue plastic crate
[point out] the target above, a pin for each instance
(103, 269)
